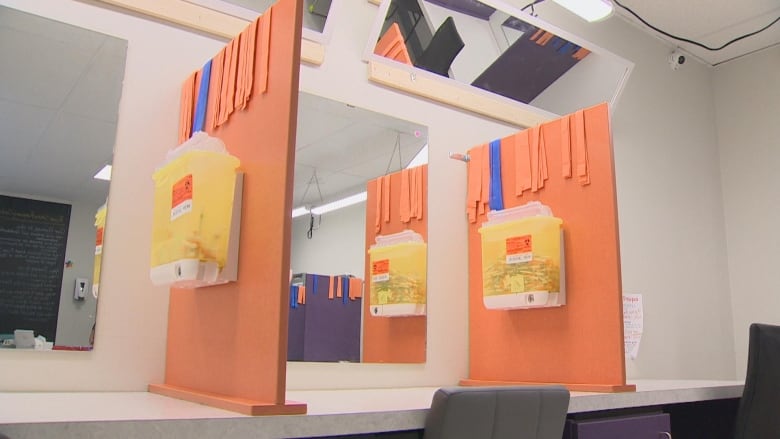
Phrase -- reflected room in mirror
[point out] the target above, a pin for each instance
(59, 99)
(315, 13)
(359, 233)
(496, 48)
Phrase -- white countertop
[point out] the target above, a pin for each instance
(330, 412)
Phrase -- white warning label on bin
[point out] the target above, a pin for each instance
(181, 200)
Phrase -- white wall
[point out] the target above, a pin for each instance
(672, 236)
(75, 319)
(337, 245)
(747, 97)
(131, 326)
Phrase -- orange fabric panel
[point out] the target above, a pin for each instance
(355, 288)
(215, 90)
(474, 182)
(392, 45)
(393, 339)
(581, 342)
(187, 107)
(332, 288)
(238, 97)
(405, 204)
(581, 147)
(386, 200)
(232, 339)
(565, 147)
(522, 162)
(249, 70)
(263, 51)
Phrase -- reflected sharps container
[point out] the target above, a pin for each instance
(197, 202)
(100, 225)
(522, 258)
(398, 275)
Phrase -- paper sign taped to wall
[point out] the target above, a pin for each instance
(633, 323)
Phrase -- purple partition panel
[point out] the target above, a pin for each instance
(526, 68)
(332, 328)
(650, 426)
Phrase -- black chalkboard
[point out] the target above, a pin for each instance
(33, 237)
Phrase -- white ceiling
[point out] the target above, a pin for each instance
(710, 22)
(59, 93)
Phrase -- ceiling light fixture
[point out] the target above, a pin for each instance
(299, 211)
(104, 174)
(589, 10)
(338, 204)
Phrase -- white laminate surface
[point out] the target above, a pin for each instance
(330, 412)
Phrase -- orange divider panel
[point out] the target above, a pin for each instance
(580, 343)
(227, 344)
(393, 339)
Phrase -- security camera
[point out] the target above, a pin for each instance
(676, 59)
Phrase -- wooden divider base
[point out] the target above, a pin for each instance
(601, 388)
(232, 403)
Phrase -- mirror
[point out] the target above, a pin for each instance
(315, 13)
(494, 49)
(59, 98)
(341, 150)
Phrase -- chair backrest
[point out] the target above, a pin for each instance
(522, 412)
(445, 45)
(759, 409)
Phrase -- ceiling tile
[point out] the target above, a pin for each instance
(38, 71)
(22, 126)
(96, 94)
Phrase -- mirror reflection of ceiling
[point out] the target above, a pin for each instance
(315, 11)
(347, 147)
(58, 101)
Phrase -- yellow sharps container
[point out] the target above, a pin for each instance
(100, 225)
(398, 277)
(193, 210)
(522, 258)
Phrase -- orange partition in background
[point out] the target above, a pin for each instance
(579, 344)
(393, 339)
(227, 344)
(392, 45)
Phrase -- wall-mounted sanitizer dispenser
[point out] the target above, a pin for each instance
(80, 289)
(522, 258)
(197, 213)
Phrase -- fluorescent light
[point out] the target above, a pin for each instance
(104, 174)
(338, 204)
(299, 211)
(590, 10)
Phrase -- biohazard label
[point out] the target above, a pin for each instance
(99, 241)
(519, 249)
(380, 271)
(181, 200)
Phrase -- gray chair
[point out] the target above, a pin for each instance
(759, 408)
(517, 412)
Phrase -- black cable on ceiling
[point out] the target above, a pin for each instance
(695, 43)
(674, 37)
